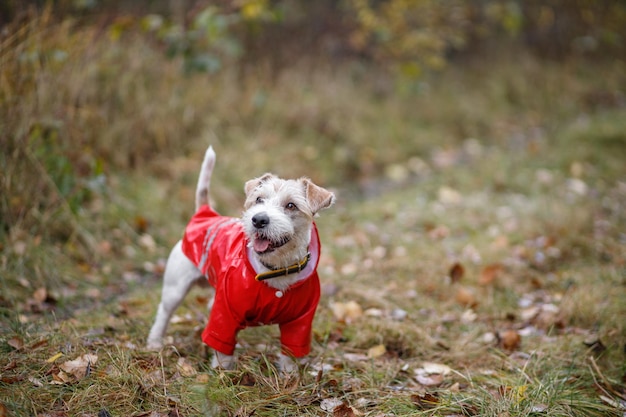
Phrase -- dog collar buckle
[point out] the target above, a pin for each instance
(285, 271)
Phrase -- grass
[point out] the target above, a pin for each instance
(517, 177)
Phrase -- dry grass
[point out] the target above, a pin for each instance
(517, 178)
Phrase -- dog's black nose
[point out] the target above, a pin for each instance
(260, 220)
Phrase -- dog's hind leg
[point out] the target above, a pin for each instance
(180, 275)
(204, 180)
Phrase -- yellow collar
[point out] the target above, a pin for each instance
(284, 271)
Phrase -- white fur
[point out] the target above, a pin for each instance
(268, 195)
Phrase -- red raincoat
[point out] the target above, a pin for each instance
(217, 245)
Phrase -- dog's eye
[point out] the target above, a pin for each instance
(291, 206)
(259, 200)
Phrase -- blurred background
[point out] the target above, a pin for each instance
(107, 106)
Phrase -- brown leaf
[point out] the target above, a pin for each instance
(141, 224)
(438, 232)
(81, 366)
(330, 404)
(247, 380)
(343, 410)
(429, 380)
(456, 272)
(510, 340)
(490, 273)
(426, 401)
(16, 343)
(185, 367)
(40, 295)
(61, 378)
(466, 297)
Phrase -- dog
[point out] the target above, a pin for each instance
(262, 266)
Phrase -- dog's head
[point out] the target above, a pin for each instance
(278, 217)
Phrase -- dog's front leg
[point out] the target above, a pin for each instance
(180, 275)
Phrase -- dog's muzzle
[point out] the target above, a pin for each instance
(262, 243)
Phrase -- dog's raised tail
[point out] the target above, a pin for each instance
(204, 180)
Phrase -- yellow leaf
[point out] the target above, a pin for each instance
(376, 351)
(54, 357)
(519, 392)
(347, 312)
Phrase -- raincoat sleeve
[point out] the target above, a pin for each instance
(295, 335)
(222, 328)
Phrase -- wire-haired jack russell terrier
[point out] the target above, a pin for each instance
(262, 265)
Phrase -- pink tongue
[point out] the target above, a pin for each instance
(261, 245)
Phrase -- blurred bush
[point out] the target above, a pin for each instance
(424, 34)
(410, 35)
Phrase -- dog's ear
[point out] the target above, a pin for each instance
(319, 198)
(252, 184)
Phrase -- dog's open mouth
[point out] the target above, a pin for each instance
(262, 244)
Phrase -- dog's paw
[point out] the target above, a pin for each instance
(223, 361)
(286, 364)
(154, 345)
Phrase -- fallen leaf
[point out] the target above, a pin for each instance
(247, 380)
(349, 269)
(147, 242)
(447, 195)
(40, 295)
(81, 366)
(489, 274)
(374, 312)
(185, 367)
(141, 224)
(20, 247)
(468, 316)
(346, 312)
(61, 378)
(329, 404)
(438, 232)
(456, 272)
(510, 340)
(355, 357)
(426, 401)
(54, 357)
(202, 378)
(376, 351)
(343, 410)
(465, 297)
(398, 314)
(429, 380)
(436, 368)
(16, 343)
(36, 382)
